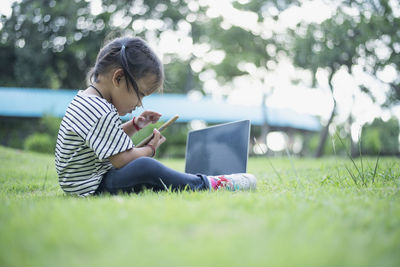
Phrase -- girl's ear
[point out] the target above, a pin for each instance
(117, 77)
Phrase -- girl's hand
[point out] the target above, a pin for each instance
(157, 139)
(146, 118)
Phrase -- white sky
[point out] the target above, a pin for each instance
(5, 7)
(249, 90)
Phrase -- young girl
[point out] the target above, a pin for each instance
(94, 151)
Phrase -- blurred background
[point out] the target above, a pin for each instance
(315, 77)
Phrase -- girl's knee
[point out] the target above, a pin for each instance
(145, 162)
(146, 165)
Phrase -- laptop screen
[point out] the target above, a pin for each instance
(221, 149)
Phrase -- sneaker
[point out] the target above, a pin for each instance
(233, 182)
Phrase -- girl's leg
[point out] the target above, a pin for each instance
(149, 173)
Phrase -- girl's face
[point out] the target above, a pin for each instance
(126, 101)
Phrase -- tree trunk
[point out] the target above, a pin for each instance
(353, 145)
(265, 126)
(189, 80)
(324, 134)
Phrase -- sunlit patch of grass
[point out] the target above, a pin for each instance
(305, 212)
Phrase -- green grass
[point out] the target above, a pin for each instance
(306, 212)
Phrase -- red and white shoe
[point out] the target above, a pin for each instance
(233, 182)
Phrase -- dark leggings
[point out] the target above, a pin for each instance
(150, 174)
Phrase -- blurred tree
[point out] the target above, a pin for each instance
(338, 144)
(381, 137)
(243, 44)
(150, 19)
(50, 43)
(46, 42)
(179, 77)
(378, 22)
(325, 46)
(352, 36)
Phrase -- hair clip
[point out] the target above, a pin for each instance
(123, 47)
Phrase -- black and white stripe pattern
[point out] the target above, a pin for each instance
(90, 132)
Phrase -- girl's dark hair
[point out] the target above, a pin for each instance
(135, 57)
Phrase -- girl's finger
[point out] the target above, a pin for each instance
(156, 134)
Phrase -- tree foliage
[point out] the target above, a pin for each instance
(360, 33)
(52, 44)
(381, 137)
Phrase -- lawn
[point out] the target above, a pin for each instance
(305, 212)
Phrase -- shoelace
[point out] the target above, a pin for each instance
(222, 182)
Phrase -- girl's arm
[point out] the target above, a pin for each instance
(141, 121)
(128, 128)
(121, 159)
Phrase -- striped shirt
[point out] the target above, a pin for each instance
(90, 132)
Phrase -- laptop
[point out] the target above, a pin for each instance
(220, 149)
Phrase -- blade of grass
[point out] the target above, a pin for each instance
(45, 177)
(270, 163)
(293, 168)
(325, 179)
(291, 162)
(351, 158)
(361, 158)
(165, 187)
(334, 151)
(351, 174)
(376, 167)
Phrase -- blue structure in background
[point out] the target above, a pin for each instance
(31, 102)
